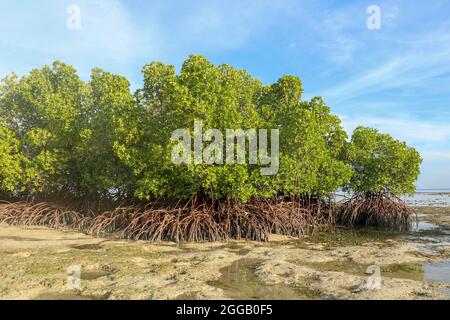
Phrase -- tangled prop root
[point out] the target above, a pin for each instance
(378, 210)
(191, 222)
(41, 214)
(322, 208)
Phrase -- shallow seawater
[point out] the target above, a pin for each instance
(437, 272)
(93, 275)
(424, 226)
(431, 235)
(422, 198)
(429, 226)
(412, 271)
(352, 236)
(430, 198)
(240, 282)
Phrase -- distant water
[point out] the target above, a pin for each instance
(438, 273)
(422, 198)
(430, 198)
(433, 190)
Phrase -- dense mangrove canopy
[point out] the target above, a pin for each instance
(381, 163)
(62, 137)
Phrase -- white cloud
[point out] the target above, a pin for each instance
(36, 33)
(334, 31)
(412, 131)
(340, 35)
(219, 25)
(435, 155)
(107, 27)
(425, 60)
(390, 14)
(427, 137)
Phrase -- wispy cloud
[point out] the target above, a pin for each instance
(430, 139)
(425, 60)
(215, 25)
(436, 155)
(107, 35)
(108, 27)
(414, 131)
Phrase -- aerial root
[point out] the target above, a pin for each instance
(379, 210)
(189, 222)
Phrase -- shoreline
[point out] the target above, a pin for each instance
(330, 265)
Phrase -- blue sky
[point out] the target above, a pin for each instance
(396, 79)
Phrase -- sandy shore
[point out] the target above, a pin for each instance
(34, 263)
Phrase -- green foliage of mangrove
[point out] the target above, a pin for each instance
(381, 164)
(98, 140)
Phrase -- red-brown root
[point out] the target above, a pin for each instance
(378, 210)
(191, 222)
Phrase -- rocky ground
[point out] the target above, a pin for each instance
(34, 264)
